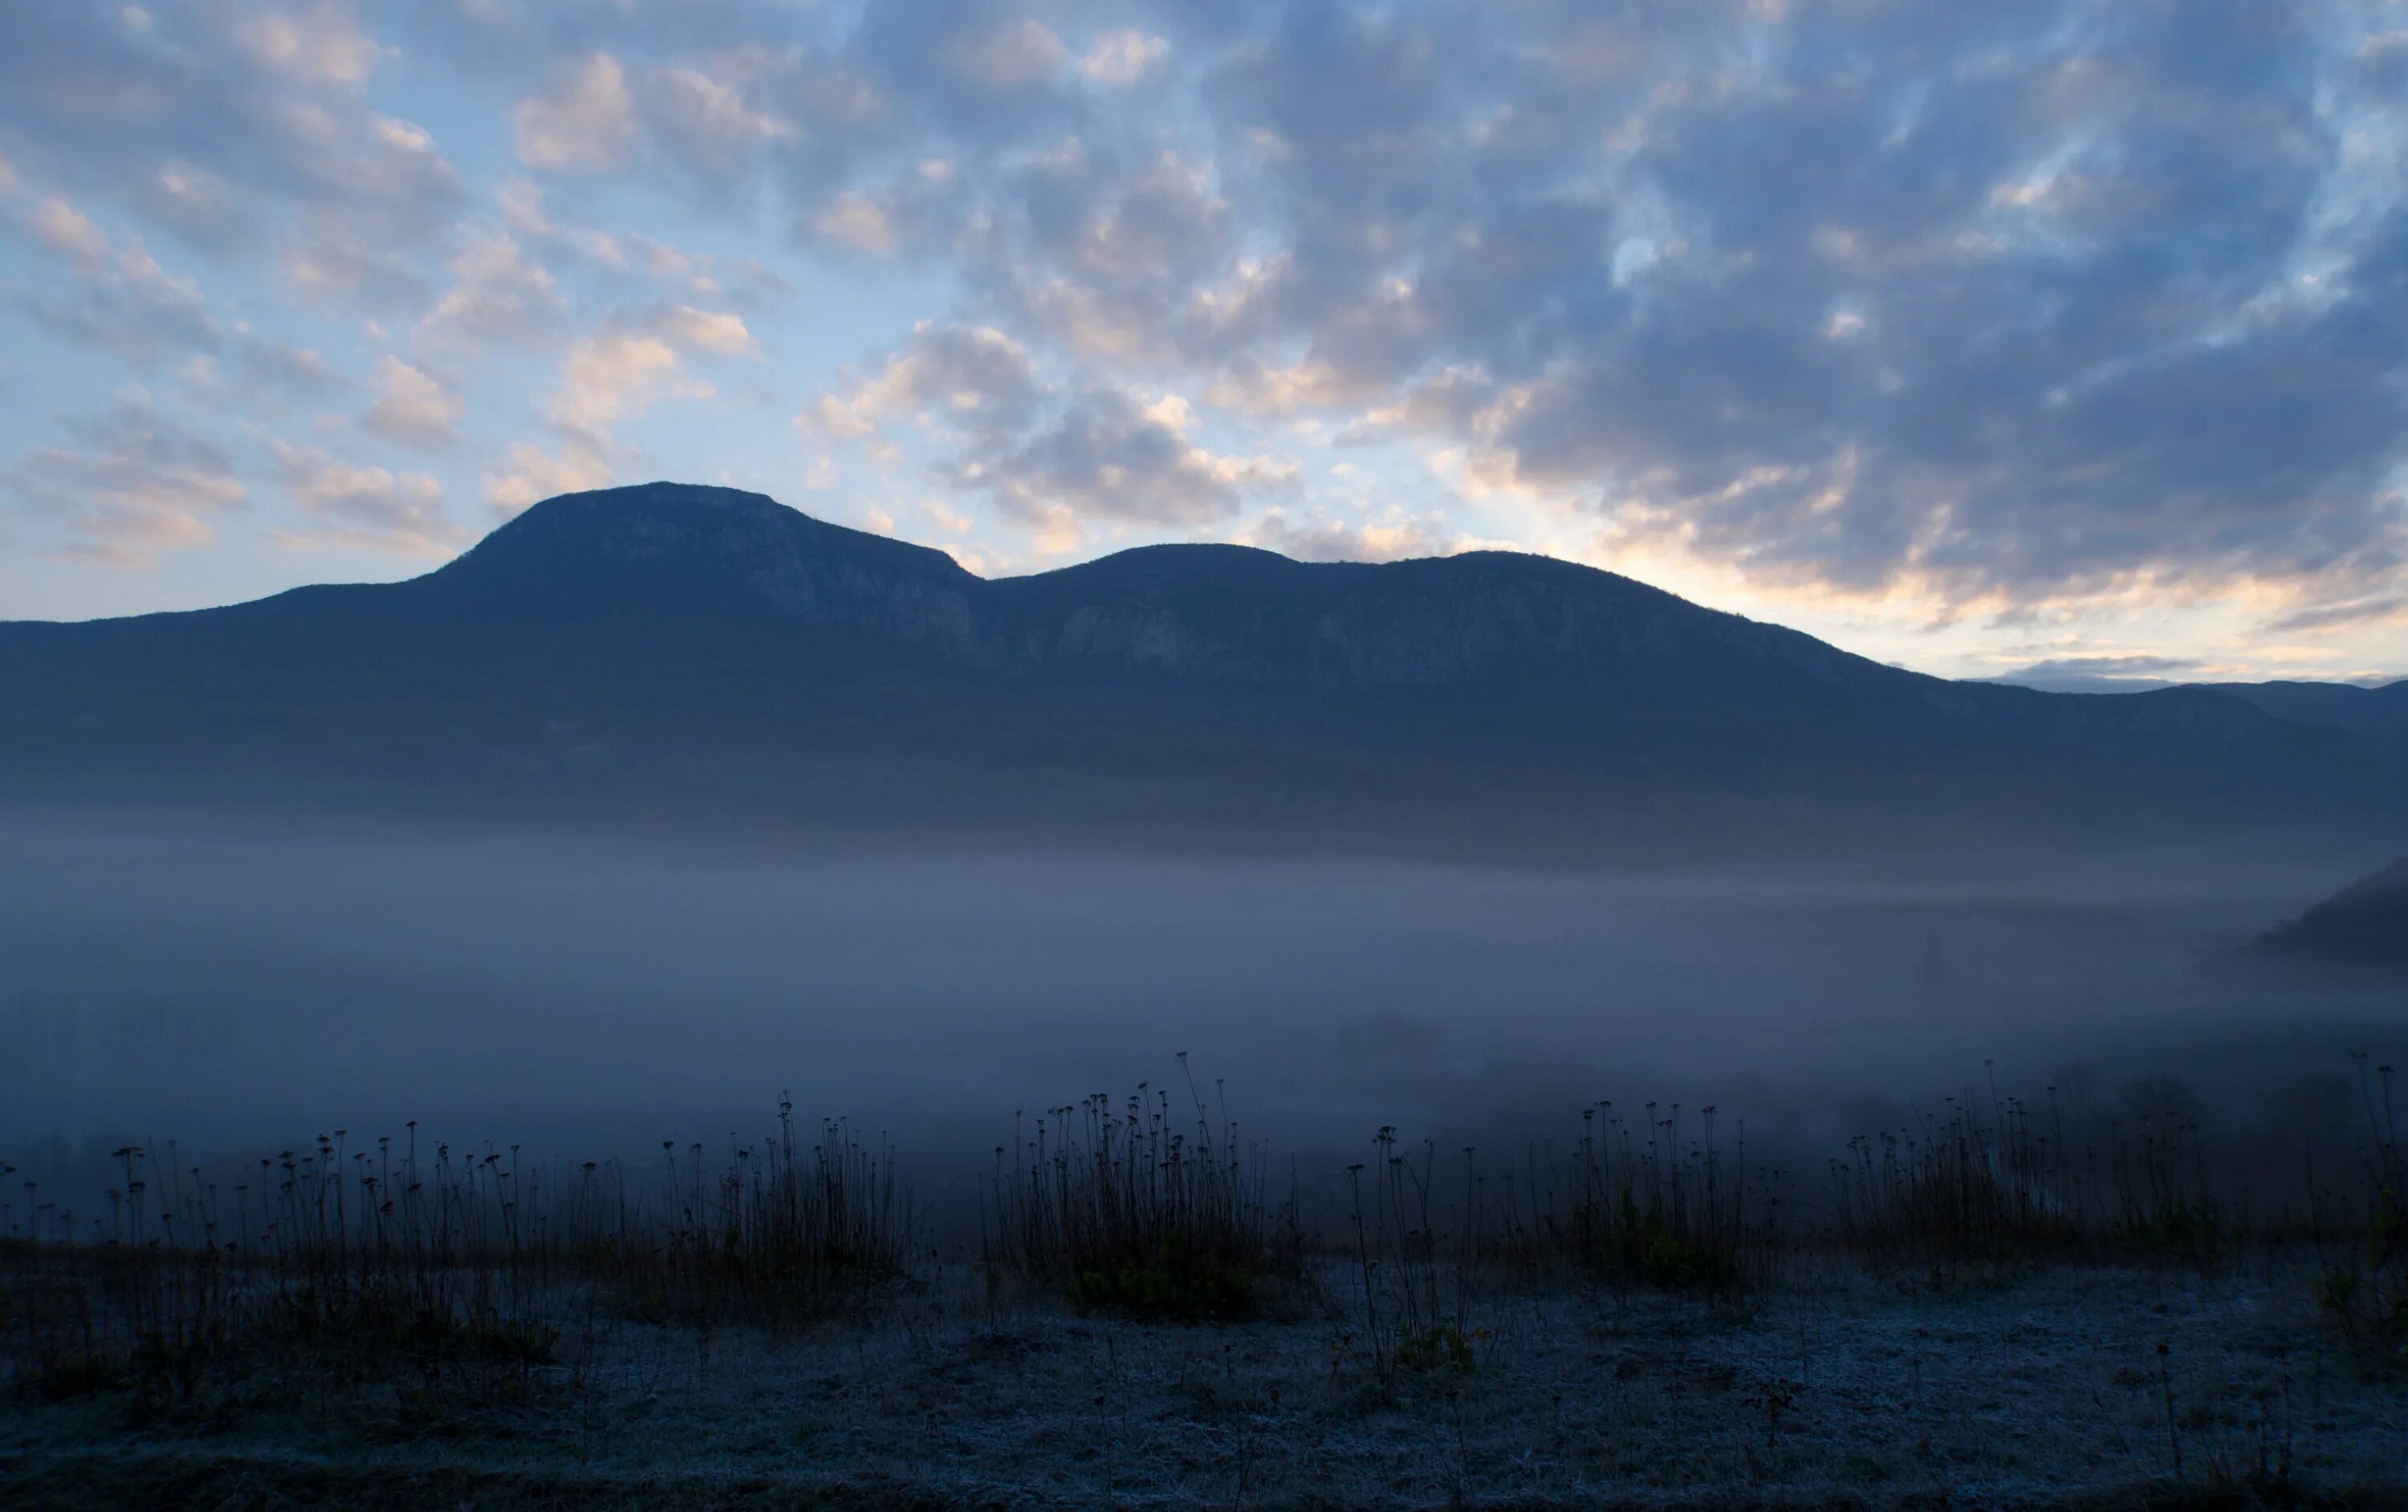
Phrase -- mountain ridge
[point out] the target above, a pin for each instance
(2364, 926)
(673, 646)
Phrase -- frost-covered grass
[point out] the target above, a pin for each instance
(1996, 1303)
(2113, 1385)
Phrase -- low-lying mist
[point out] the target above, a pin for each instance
(243, 988)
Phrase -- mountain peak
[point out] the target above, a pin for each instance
(696, 649)
(658, 494)
(683, 547)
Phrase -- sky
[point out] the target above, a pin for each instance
(2065, 339)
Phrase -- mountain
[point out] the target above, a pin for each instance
(2378, 716)
(677, 652)
(2364, 925)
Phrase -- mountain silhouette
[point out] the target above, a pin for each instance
(2363, 925)
(2378, 716)
(674, 651)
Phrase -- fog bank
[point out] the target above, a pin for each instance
(241, 990)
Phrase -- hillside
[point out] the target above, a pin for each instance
(2363, 925)
(2378, 717)
(671, 652)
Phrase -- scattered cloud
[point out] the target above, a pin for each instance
(132, 486)
(498, 294)
(1326, 540)
(329, 265)
(860, 222)
(709, 114)
(608, 376)
(972, 380)
(585, 121)
(623, 369)
(1102, 457)
(1012, 55)
(1955, 317)
(1125, 58)
(2374, 610)
(215, 122)
(1053, 456)
(197, 203)
(532, 475)
(321, 42)
(363, 507)
(2136, 665)
(114, 295)
(413, 407)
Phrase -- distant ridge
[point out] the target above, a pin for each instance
(2376, 716)
(2363, 925)
(671, 650)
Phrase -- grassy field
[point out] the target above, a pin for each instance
(2000, 1304)
(2111, 1386)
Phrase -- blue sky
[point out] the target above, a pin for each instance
(2070, 334)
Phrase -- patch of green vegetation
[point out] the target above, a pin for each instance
(2189, 1229)
(1650, 1251)
(1441, 1347)
(1177, 1285)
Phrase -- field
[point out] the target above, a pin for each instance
(2045, 1389)
(2002, 1305)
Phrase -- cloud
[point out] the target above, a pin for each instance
(2138, 666)
(1052, 456)
(860, 222)
(532, 475)
(620, 370)
(704, 330)
(585, 121)
(393, 165)
(497, 295)
(971, 379)
(57, 225)
(706, 113)
(1103, 457)
(2372, 609)
(1012, 55)
(2007, 408)
(1324, 540)
(321, 42)
(1125, 58)
(609, 374)
(1983, 311)
(916, 209)
(197, 203)
(2127, 674)
(261, 363)
(284, 365)
(1115, 257)
(634, 359)
(1835, 329)
(412, 407)
(134, 487)
(363, 507)
(328, 265)
(200, 373)
(208, 118)
(119, 298)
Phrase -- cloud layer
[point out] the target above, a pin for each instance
(1928, 322)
